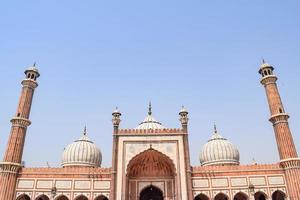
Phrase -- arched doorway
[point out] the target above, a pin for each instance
(23, 197)
(151, 168)
(221, 196)
(151, 193)
(61, 197)
(259, 196)
(240, 196)
(201, 197)
(81, 197)
(101, 197)
(42, 197)
(278, 195)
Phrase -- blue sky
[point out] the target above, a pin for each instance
(96, 55)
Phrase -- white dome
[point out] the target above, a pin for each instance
(219, 151)
(82, 152)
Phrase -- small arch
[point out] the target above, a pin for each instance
(151, 192)
(61, 197)
(221, 196)
(42, 197)
(101, 197)
(260, 196)
(28, 75)
(23, 197)
(278, 195)
(32, 76)
(18, 115)
(280, 110)
(269, 72)
(81, 197)
(240, 196)
(266, 73)
(201, 197)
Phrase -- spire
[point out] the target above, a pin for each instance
(84, 130)
(150, 109)
(215, 129)
(263, 61)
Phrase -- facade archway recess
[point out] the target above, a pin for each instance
(151, 192)
(101, 197)
(81, 197)
(42, 197)
(150, 169)
(221, 196)
(260, 196)
(23, 197)
(201, 197)
(278, 195)
(240, 196)
(61, 197)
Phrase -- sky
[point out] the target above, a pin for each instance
(95, 55)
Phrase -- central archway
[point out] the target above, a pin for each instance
(149, 171)
(151, 193)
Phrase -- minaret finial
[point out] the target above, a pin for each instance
(84, 130)
(150, 109)
(215, 128)
(34, 63)
(263, 61)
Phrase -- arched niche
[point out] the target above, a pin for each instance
(61, 197)
(42, 197)
(260, 196)
(81, 197)
(151, 192)
(221, 196)
(278, 195)
(150, 167)
(23, 197)
(101, 197)
(240, 196)
(201, 197)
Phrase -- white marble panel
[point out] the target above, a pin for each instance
(63, 184)
(238, 182)
(101, 184)
(276, 180)
(44, 184)
(200, 183)
(219, 182)
(82, 184)
(25, 184)
(258, 180)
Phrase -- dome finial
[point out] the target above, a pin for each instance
(263, 61)
(84, 130)
(150, 109)
(215, 128)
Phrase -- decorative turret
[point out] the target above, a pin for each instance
(287, 151)
(184, 118)
(116, 118)
(11, 164)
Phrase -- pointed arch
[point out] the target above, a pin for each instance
(150, 163)
(221, 196)
(42, 197)
(151, 192)
(201, 197)
(61, 197)
(23, 197)
(260, 196)
(278, 195)
(101, 197)
(81, 197)
(240, 196)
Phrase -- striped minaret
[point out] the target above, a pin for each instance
(11, 164)
(287, 151)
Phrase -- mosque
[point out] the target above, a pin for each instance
(151, 161)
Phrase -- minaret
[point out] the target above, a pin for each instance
(184, 123)
(11, 164)
(116, 122)
(287, 151)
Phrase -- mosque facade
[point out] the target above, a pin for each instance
(151, 161)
